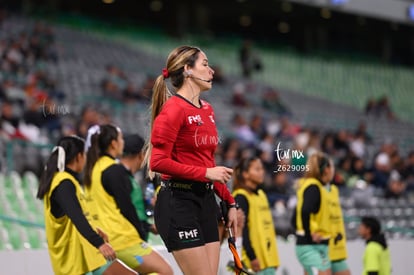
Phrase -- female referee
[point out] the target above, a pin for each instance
(182, 145)
(109, 203)
(73, 244)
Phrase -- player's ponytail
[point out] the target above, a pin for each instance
(64, 153)
(97, 143)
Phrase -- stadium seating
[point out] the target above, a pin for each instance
(21, 213)
(312, 87)
(311, 96)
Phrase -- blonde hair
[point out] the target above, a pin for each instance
(317, 163)
(177, 59)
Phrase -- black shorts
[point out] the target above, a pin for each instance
(186, 219)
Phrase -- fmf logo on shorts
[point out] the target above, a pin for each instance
(191, 234)
(196, 119)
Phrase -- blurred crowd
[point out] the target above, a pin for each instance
(116, 85)
(284, 147)
(33, 109)
(27, 93)
(380, 107)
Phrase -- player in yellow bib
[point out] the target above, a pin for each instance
(312, 214)
(109, 203)
(259, 237)
(74, 247)
(337, 243)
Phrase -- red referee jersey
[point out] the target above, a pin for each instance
(184, 139)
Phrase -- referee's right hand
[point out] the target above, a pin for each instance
(219, 173)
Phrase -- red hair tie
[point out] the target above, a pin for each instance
(165, 73)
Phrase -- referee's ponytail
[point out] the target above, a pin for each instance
(174, 70)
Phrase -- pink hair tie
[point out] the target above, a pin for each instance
(165, 73)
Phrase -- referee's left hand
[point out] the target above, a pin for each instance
(232, 220)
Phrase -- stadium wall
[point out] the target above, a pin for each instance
(27, 262)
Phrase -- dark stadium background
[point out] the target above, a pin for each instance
(94, 33)
(309, 31)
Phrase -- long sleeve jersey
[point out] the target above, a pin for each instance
(184, 139)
